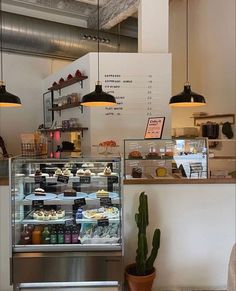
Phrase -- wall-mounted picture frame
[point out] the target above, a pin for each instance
(155, 126)
(47, 104)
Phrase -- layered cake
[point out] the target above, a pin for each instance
(135, 155)
(102, 193)
(137, 172)
(70, 193)
(39, 192)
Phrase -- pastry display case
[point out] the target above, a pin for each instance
(66, 220)
(165, 158)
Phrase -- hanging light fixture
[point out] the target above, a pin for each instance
(6, 99)
(98, 97)
(187, 98)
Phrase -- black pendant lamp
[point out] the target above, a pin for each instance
(98, 97)
(187, 98)
(6, 99)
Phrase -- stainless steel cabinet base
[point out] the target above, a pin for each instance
(67, 267)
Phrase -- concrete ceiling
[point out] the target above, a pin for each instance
(81, 12)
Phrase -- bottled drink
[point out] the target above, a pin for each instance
(45, 238)
(75, 235)
(67, 236)
(53, 236)
(25, 236)
(60, 236)
(36, 236)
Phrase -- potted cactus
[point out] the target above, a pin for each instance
(141, 274)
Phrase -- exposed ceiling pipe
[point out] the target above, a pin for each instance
(27, 35)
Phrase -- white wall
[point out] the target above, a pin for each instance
(211, 55)
(23, 77)
(197, 225)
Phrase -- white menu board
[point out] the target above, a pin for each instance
(141, 84)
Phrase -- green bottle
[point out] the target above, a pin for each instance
(45, 236)
(53, 236)
(60, 236)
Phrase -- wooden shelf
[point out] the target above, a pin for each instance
(223, 158)
(215, 116)
(67, 83)
(66, 106)
(72, 129)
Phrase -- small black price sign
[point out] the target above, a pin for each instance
(63, 179)
(76, 186)
(80, 201)
(37, 204)
(39, 179)
(112, 179)
(85, 180)
(105, 201)
(103, 222)
(69, 222)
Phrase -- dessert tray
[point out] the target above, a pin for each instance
(78, 195)
(111, 195)
(102, 212)
(48, 196)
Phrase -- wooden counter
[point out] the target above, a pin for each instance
(179, 181)
(4, 181)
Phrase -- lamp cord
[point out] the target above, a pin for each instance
(1, 40)
(187, 36)
(98, 35)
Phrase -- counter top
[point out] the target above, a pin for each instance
(179, 181)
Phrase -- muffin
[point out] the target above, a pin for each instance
(137, 172)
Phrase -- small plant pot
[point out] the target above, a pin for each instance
(139, 283)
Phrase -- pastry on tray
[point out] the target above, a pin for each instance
(80, 172)
(107, 171)
(137, 172)
(161, 172)
(39, 192)
(152, 155)
(87, 172)
(70, 193)
(38, 173)
(102, 193)
(135, 155)
(58, 172)
(67, 172)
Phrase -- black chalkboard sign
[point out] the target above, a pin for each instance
(85, 180)
(110, 181)
(103, 222)
(105, 201)
(76, 186)
(80, 201)
(63, 179)
(36, 204)
(39, 179)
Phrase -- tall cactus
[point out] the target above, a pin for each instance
(144, 265)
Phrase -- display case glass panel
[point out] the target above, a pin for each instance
(70, 203)
(165, 159)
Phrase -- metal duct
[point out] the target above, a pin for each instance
(27, 35)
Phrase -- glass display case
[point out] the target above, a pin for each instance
(66, 214)
(165, 158)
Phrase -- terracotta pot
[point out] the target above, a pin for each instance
(139, 283)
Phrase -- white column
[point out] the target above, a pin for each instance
(153, 26)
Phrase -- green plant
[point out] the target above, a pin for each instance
(144, 265)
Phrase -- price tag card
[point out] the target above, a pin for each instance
(112, 179)
(105, 201)
(85, 180)
(76, 186)
(69, 222)
(80, 202)
(39, 179)
(63, 179)
(103, 222)
(37, 204)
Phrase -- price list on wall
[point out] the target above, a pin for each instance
(132, 92)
